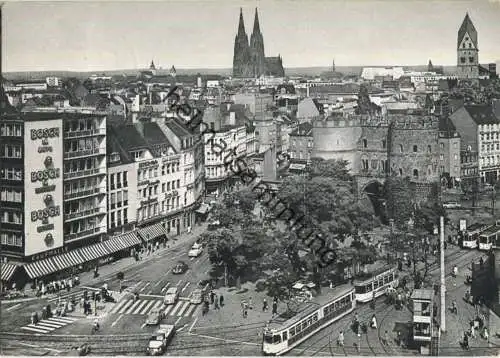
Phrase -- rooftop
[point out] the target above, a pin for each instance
(482, 114)
(129, 137)
(422, 294)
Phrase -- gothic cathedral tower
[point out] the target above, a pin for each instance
(257, 49)
(467, 51)
(241, 58)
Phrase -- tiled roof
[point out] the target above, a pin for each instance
(304, 129)
(467, 27)
(113, 146)
(177, 128)
(153, 134)
(482, 114)
(129, 137)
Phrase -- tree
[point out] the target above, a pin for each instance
(280, 286)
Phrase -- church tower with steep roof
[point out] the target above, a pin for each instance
(257, 48)
(241, 57)
(467, 51)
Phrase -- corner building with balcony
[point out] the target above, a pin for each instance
(53, 182)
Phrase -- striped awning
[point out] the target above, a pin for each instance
(93, 252)
(152, 232)
(41, 268)
(68, 259)
(7, 271)
(122, 242)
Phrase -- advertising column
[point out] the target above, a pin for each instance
(43, 186)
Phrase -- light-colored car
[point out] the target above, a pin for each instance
(196, 296)
(171, 296)
(161, 339)
(155, 316)
(452, 205)
(196, 250)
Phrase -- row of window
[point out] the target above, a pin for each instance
(294, 143)
(118, 218)
(490, 160)
(81, 145)
(11, 151)
(78, 226)
(11, 217)
(80, 125)
(494, 136)
(116, 200)
(81, 164)
(152, 173)
(11, 174)
(12, 195)
(121, 180)
(11, 239)
(383, 143)
(376, 283)
(302, 155)
(383, 165)
(11, 130)
(441, 157)
(332, 307)
(463, 60)
(490, 148)
(77, 206)
(81, 185)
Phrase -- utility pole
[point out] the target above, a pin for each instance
(493, 201)
(443, 282)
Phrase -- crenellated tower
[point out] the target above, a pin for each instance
(258, 58)
(467, 51)
(242, 56)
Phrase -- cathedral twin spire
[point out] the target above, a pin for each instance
(249, 59)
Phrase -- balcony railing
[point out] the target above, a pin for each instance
(84, 213)
(85, 133)
(84, 173)
(84, 153)
(83, 193)
(84, 233)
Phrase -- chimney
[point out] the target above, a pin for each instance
(140, 127)
(307, 87)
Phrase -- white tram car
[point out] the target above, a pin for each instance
(280, 337)
(377, 285)
(490, 238)
(470, 238)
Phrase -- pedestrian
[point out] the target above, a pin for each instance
(485, 334)
(221, 299)
(340, 340)
(275, 308)
(385, 339)
(264, 305)
(374, 322)
(216, 303)
(250, 303)
(472, 331)
(212, 297)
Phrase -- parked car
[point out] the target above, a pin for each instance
(452, 205)
(155, 316)
(180, 268)
(196, 296)
(171, 296)
(196, 250)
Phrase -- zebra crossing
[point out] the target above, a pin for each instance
(76, 294)
(49, 325)
(182, 308)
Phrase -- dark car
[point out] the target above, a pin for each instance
(180, 268)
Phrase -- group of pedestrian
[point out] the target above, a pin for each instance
(217, 301)
(56, 286)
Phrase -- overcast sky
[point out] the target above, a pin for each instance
(200, 34)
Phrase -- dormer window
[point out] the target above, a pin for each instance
(114, 157)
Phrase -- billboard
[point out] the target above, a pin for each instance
(43, 186)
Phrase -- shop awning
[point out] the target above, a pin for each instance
(122, 242)
(152, 232)
(93, 252)
(7, 271)
(68, 259)
(41, 268)
(203, 209)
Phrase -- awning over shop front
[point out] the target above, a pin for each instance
(203, 209)
(93, 252)
(68, 259)
(122, 242)
(7, 271)
(152, 232)
(41, 268)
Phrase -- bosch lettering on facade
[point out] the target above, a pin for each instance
(45, 213)
(44, 133)
(43, 175)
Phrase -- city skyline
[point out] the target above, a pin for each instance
(100, 36)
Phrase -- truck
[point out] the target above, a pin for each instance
(161, 339)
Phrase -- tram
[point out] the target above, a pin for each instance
(376, 286)
(490, 238)
(470, 238)
(279, 337)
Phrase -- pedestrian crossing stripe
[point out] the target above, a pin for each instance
(144, 307)
(49, 325)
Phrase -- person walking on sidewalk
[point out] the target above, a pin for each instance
(340, 340)
(250, 303)
(275, 308)
(264, 305)
(221, 300)
(212, 297)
